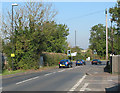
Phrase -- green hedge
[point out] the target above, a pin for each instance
(51, 59)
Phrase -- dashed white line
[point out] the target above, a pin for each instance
(84, 87)
(95, 72)
(47, 74)
(77, 67)
(61, 70)
(54, 72)
(38, 76)
(76, 85)
(69, 68)
(27, 80)
(109, 80)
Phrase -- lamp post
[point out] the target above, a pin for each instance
(12, 55)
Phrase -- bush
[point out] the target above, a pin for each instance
(51, 59)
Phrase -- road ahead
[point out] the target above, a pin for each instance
(63, 79)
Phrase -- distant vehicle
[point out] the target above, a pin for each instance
(80, 62)
(96, 61)
(65, 63)
(83, 61)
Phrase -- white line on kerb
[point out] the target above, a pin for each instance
(27, 80)
(84, 87)
(76, 85)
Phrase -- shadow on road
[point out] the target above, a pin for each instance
(114, 89)
(107, 69)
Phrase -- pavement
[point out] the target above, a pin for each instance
(86, 78)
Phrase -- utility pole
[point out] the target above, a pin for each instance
(106, 36)
(75, 38)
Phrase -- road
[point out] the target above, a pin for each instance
(77, 78)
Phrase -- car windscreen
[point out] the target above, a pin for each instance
(62, 60)
(95, 60)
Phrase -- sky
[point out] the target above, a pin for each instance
(79, 16)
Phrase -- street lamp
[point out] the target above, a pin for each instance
(12, 55)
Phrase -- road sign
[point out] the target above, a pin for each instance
(12, 55)
(74, 54)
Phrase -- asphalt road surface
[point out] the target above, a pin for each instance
(60, 79)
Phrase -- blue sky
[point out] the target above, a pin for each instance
(79, 16)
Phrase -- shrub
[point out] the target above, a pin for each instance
(51, 59)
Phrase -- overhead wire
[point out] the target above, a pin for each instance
(89, 14)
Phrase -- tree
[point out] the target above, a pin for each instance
(115, 14)
(27, 40)
(57, 36)
(98, 38)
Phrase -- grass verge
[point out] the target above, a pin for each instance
(7, 72)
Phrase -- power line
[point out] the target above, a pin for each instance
(89, 14)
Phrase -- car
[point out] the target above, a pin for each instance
(83, 61)
(79, 62)
(96, 61)
(65, 63)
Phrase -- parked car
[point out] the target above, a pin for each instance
(96, 61)
(65, 63)
(80, 62)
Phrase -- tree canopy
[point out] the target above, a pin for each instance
(35, 30)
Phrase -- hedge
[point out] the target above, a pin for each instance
(51, 59)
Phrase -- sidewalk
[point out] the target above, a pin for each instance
(98, 80)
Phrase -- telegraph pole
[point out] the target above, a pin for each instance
(75, 38)
(106, 36)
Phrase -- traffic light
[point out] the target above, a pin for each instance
(68, 52)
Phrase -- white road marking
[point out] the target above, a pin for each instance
(54, 72)
(69, 68)
(95, 72)
(99, 80)
(48, 74)
(77, 67)
(1, 88)
(88, 89)
(61, 70)
(84, 87)
(76, 85)
(27, 80)
(109, 80)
